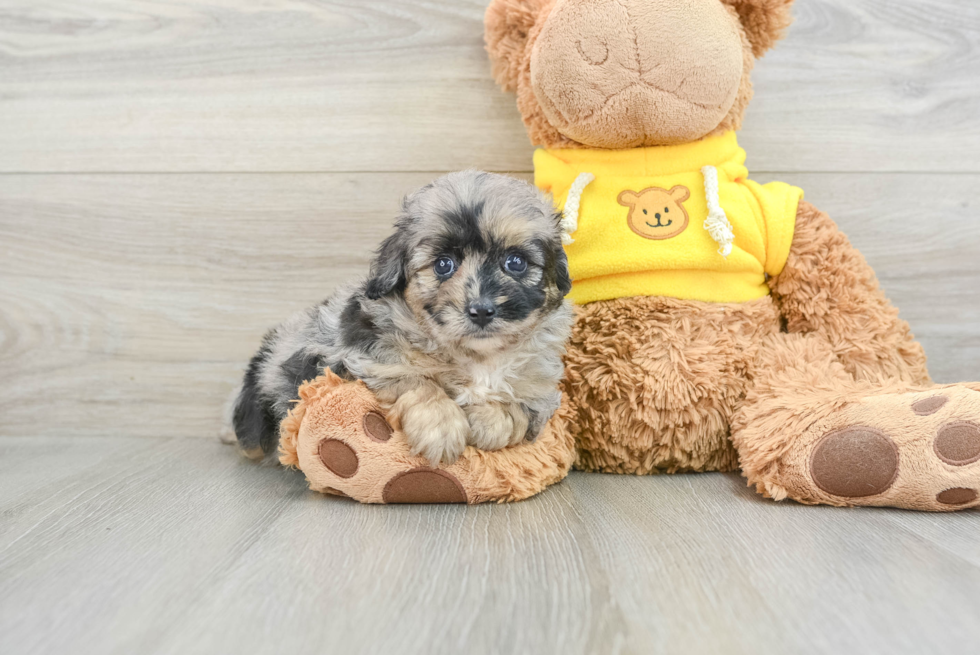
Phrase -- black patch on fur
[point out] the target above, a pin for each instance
(556, 264)
(462, 230)
(388, 268)
(357, 330)
(430, 309)
(340, 370)
(522, 299)
(534, 424)
(256, 425)
(301, 367)
(563, 280)
(520, 304)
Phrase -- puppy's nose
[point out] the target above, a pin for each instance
(481, 312)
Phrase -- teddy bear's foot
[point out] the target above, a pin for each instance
(916, 450)
(338, 436)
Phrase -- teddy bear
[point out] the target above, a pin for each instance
(721, 324)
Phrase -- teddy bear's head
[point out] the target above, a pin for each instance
(628, 73)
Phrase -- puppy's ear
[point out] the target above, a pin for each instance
(506, 26)
(562, 278)
(764, 21)
(388, 268)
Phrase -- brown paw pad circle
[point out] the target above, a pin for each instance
(376, 427)
(339, 458)
(929, 406)
(855, 462)
(958, 443)
(424, 485)
(957, 496)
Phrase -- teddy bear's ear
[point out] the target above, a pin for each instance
(627, 198)
(506, 26)
(764, 21)
(679, 193)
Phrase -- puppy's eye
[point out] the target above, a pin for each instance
(666, 210)
(644, 211)
(515, 264)
(444, 266)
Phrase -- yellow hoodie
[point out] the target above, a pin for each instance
(679, 221)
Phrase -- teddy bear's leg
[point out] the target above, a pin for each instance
(811, 432)
(841, 409)
(827, 288)
(339, 437)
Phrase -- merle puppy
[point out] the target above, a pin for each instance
(459, 328)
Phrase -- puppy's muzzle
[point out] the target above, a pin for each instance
(481, 312)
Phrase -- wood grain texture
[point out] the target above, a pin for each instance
(384, 85)
(180, 546)
(129, 305)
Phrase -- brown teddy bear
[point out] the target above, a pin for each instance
(722, 324)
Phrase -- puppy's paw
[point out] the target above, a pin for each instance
(437, 430)
(494, 426)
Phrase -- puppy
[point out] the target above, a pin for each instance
(459, 328)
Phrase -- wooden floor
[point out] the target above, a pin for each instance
(175, 546)
(176, 176)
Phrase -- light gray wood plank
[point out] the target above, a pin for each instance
(958, 537)
(750, 575)
(386, 85)
(129, 305)
(285, 85)
(125, 544)
(869, 85)
(180, 546)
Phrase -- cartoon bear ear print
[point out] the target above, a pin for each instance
(506, 27)
(628, 198)
(679, 193)
(764, 21)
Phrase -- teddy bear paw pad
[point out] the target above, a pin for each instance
(929, 406)
(338, 457)
(957, 496)
(958, 444)
(855, 462)
(339, 437)
(918, 450)
(424, 485)
(355, 452)
(376, 427)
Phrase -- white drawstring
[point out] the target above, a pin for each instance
(717, 223)
(569, 221)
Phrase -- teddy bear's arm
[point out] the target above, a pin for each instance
(828, 287)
